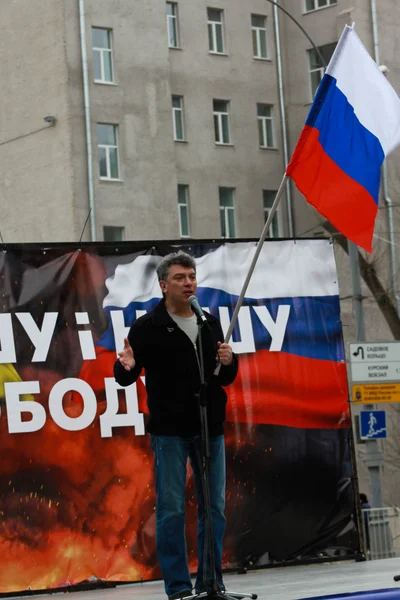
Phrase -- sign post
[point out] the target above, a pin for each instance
(375, 369)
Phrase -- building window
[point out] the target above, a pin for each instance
(172, 24)
(102, 55)
(113, 234)
(259, 31)
(215, 31)
(107, 137)
(317, 68)
(265, 126)
(177, 117)
(183, 210)
(227, 212)
(315, 4)
(221, 121)
(268, 200)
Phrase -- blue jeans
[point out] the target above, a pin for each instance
(170, 460)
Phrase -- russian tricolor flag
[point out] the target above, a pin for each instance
(289, 337)
(353, 124)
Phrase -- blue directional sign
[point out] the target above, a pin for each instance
(372, 424)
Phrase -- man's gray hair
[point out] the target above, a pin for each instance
(175, 258)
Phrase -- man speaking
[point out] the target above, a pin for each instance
(164, 343)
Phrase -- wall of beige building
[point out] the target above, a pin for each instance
(36, 173)
(151, 163)
(138, 102)
(147, 73)
(244, 81)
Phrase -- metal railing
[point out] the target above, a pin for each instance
(381, 529)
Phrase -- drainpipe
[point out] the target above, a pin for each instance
(283, 117)
(89, 146)
(385, 182)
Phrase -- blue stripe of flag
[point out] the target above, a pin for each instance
(313, 329)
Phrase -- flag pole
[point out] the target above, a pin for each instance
(256, 255)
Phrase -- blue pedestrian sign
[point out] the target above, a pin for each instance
(372, 424)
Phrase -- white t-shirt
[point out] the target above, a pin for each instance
(187, 324)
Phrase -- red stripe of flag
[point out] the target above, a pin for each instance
(278, 388)
(343, 201)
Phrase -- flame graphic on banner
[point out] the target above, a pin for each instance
(70, 501)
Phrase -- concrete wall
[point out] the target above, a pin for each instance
(244, 81)
(35, 170)
(147, 73)
(144, 202)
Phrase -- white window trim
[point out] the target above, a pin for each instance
(258, 31)
(107, 148)
(264, 120)
(180, 110)
(316, 70)
(102, 51)
(185, 205)
(225, 210)
(307, 12)
(220, 115)
(270, 234)
(214, 25)
(173, 18)
(321, 69)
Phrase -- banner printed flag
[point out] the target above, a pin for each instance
(293, 369)
(353, 124)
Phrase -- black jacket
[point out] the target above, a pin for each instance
(172, 373)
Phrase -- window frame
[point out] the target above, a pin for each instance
(257, 31)
(173, 19)
(175, 112)
(102, 51)
(316, 7)
(321, 69)
(264, 128)
(107, 148)
(213, 38)
(224, 214)
(115, 227)
(218, 117)
(184, 206)
(275, 221)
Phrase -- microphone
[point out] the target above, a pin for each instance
(196, 308)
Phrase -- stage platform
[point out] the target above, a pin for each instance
(280, 583)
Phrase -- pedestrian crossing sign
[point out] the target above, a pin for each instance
(372, 424)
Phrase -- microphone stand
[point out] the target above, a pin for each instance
(212, 587)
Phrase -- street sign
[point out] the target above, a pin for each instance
(375, 362)
(372, 424)
(375, 392)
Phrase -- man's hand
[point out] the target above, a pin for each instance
(126, 356)
(225, 356)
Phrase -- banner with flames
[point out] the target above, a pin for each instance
(76, 475)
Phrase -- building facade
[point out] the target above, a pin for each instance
(182, 102)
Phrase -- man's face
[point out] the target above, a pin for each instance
(180, 284)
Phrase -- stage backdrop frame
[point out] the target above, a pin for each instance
(66, 520)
